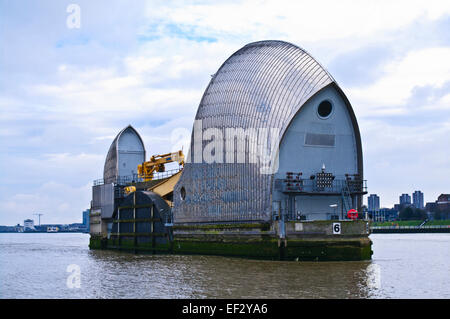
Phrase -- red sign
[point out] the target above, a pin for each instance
(352, 214)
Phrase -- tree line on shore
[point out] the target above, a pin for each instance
(412, 213)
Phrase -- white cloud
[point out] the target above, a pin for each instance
(442, 104)
(389, 94)
(302, 20)
(59, 123)
(142, 64)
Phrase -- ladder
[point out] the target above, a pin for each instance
(346, 199)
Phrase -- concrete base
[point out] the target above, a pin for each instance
(303, 241)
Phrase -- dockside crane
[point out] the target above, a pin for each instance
(39, 218)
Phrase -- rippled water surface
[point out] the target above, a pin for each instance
(403, 266)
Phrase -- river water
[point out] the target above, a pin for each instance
(61, 265)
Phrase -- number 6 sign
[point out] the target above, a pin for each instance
(336, 228)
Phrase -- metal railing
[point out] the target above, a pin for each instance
(99, 182)
(126, 180)
(313, 186)
(121, 180)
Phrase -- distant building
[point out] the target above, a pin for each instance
(431, 207)
(385, 214)
(86, 219)
(441, 206)
(405, 199)
(443, 199)
(373, 202)
(28, 224)
(443, 203)
(8, 229)
(418, 199)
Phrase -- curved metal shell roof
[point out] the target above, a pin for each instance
(264, 84)
(111, 169)
(261, 85)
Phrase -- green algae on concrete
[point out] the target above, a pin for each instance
(260, 250)
(313, 241)
(328, 250)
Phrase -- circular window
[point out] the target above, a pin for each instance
(183, 193)
(324, 110)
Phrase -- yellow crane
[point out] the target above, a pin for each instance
(157, 164)
(146, 171)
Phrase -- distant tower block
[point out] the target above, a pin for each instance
(418, 201)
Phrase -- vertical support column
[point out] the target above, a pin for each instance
(279, 210)
(291, 208)
(294, 207)
(134, 219)
(282, 230)
(152, 226)
(118, 226)
(359, 203)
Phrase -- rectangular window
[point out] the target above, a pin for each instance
(315, 139)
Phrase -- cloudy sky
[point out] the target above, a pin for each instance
(66, 92)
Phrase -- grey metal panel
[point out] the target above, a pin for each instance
(319, 139)
(103, 199)
(262, 85)
(96, 196)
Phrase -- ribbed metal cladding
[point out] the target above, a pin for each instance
(110, 170)
(263, 85)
